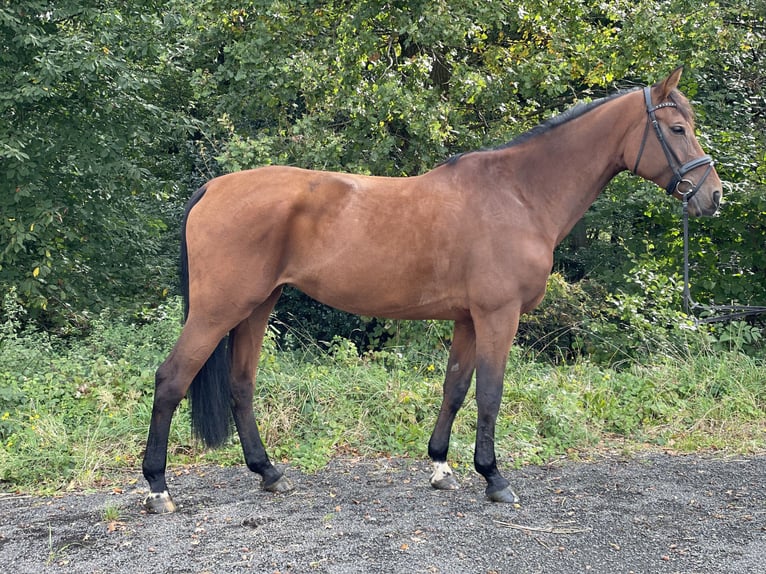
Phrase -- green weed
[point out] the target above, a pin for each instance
(110, 513)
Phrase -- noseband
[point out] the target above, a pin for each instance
(679, 169)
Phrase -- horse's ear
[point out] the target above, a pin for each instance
(670, 83)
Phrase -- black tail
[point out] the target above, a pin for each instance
(210, 391)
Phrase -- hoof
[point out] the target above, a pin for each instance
(443, 478)
(159, 503)
(282, 484)
(505, 495)
(448, 482)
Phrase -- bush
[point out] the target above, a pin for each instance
(73, 408)
(555, 329)
(299, 320)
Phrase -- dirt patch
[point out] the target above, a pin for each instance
(651, 514)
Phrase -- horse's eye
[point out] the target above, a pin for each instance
(677, 130)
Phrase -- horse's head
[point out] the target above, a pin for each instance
(668, 152)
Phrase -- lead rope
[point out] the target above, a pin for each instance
(688, 303)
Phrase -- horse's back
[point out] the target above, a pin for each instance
(301, 191)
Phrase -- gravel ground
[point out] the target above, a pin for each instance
(655, 513)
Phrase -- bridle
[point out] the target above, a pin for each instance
(679, 169)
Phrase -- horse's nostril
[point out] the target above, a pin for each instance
(717, 198)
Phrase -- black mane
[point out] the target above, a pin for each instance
(545, 127)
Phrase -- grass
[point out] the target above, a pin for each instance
(76, 416)
(110, 513)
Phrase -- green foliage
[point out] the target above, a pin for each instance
(738, 336)
(301, 320)
(413, 339)
(116, 113)
(725, 84)
(394, 89)
(72, 410)
(556, 328)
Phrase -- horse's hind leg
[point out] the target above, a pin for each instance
(460, 367)
(247, 339)
(172, 380)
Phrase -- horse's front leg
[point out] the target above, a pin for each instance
(494, 335)
(460, 367)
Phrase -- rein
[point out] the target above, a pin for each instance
(713, 313)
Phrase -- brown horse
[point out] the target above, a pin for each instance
(471, 241)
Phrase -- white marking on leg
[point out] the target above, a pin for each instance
(455, 368)
(441, 471)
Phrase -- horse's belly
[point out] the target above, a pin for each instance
(391, 292)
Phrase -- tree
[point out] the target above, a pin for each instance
(88, 158)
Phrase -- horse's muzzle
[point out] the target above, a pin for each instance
(701, 206)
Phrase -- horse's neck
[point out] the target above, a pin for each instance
(563, 171)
